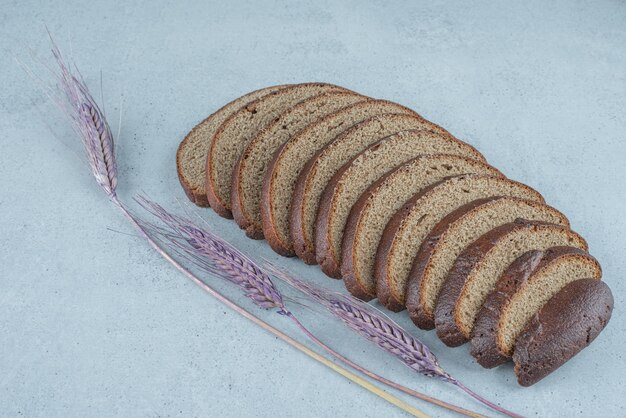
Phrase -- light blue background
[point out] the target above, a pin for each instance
(94, 323)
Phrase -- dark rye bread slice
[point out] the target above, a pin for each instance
(450, 237)
(252, 164)
(377, 205)
(408, 228)
(355, 177)
(234, 134)
(527, 284)
(565, 325)
(192, 151)
(288, 162)
(477, 270)
(327, 161)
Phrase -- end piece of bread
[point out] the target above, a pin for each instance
(521, 291)
(565, 325)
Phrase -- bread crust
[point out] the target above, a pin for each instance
(300, 246)
(564, 326)
(269, 227)
(445, 310)
(484, 336)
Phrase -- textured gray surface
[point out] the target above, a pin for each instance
(95, 324)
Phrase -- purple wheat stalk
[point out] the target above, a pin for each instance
(378, 328)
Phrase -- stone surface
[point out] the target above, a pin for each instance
(94, 323)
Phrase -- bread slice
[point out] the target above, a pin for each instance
(290, 159)
(252, 164)
(407, 229)
(564, 326)
(527, 284)
(449, 238)
(234, 134)
(327, 161)
(377, 205)
(345, 187)
(477, 270)
(192, 151)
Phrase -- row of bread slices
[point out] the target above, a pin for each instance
(404, 212)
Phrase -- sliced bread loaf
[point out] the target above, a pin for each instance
(527, 284)
(324, 164)
(478, 268)
(288, 162)
(564, 326)
(408, 227)
(376, 206)
(253, 162)
(352, 179)
(192, 151)
(450, 237)
(234, 134)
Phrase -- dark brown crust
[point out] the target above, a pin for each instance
(445, 321)
(237, 207)
(296, 225)
(484, 335)
(414, 307)
(269, 228)
(564, 326)
(307, 250)
(215, 202)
